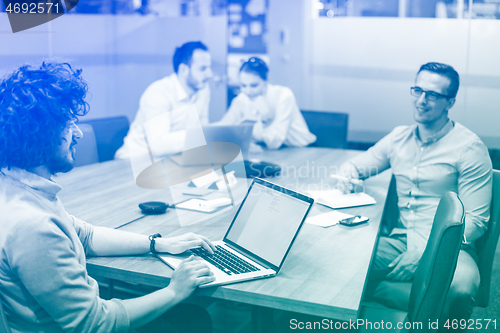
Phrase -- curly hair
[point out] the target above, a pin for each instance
(36, 104)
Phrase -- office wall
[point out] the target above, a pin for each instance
(362, 66)
(120, 55)
(365, 66)
(289, 38)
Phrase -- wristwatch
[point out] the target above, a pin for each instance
(152, 240)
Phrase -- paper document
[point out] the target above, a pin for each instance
(336, 199)
(328, 219)
(205, 206)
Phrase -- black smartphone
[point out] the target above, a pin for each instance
(354, 220)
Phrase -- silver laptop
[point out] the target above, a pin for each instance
(259, 237)
(222, 140)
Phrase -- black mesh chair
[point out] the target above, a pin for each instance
(109, 134)
(86, 149)
(330, 128)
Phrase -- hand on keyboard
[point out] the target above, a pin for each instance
(225, 261)
(190, 274)
(182, 243)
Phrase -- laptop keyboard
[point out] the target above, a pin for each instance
(225, 261)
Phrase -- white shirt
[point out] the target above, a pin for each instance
(282, 122)
(161, 98)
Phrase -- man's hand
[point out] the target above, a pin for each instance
(179, 244)
(404, 266)
(190, 274)
(347, 178)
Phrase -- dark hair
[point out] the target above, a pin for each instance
(255, 65)
(446, 71)
(36, 103)
(184, 54)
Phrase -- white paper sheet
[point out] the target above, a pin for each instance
(335, 199)
(328, 219)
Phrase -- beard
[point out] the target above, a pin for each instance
(194, 83)
(59, 163)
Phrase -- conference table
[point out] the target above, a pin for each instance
(325, 271)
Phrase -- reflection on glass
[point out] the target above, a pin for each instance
(480, 9)
(163, 8)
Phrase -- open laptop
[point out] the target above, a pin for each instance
(240, 135)
(259, 237)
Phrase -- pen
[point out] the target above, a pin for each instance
(352, 180)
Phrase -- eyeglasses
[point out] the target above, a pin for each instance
(430, 95)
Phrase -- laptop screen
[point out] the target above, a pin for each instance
(268, 221)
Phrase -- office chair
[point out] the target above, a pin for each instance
(4, 325)
(390, 215)
(86, 149)
(330, 128)
(434, 273)
(109, 134)
(486, 245)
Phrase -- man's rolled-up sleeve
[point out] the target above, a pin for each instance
(474, 188)
(47, 264)
(377, 158)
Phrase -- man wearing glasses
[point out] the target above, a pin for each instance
(429, 158)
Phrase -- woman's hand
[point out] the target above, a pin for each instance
(258, 130)
(255, 148)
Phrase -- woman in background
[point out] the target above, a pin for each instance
(273, 108)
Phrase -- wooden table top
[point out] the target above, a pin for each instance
(323, 275)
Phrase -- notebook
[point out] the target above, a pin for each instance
(259, 238)
(336, 199)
